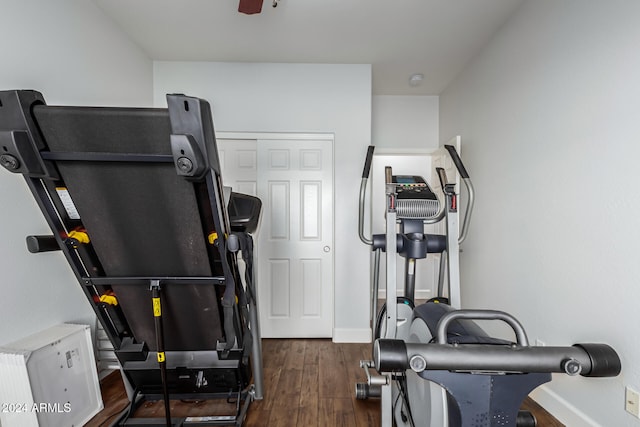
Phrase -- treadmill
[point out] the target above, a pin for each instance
(135, 201)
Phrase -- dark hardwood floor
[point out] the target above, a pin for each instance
(308, 382)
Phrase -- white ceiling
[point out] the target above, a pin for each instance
(398, 37)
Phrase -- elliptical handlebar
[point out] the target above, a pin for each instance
(367, 162)
(587, 360)
(363, 191)
(463, 174)
(470, 191)
(457, 161)
(442, 176)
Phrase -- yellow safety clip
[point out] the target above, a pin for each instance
(213, 237)
(79, 236)
(109, 299)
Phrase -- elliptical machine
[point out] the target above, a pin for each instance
(435, 366)
(416, 205)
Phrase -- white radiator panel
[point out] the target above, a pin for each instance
(49, 379)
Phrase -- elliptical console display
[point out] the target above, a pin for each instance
(414, 197)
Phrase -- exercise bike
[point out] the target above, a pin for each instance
(434, 365)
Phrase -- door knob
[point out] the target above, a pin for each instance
(326, 249)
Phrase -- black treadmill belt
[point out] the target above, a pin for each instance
(190, 316)
(142, 218)
(111, 130)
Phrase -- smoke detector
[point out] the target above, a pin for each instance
(416, 79)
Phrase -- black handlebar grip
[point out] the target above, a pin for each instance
(605, 362)
(457, 161)
(367, 162)
(37, 244)
(442, 176)
(390, 355)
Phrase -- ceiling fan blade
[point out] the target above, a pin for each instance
(250, 7)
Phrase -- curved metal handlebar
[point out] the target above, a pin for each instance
(443, 324)
(468, 210)
(470, 191)
(363, 191)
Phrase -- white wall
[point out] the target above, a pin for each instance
(405, 122)
(298, 98)
(71, 53)
(548, 113)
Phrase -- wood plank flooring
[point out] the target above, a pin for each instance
(308, 382)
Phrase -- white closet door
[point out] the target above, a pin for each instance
(294, 246)
(296, 253)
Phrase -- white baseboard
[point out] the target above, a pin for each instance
(345, 335)
(564, 411)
